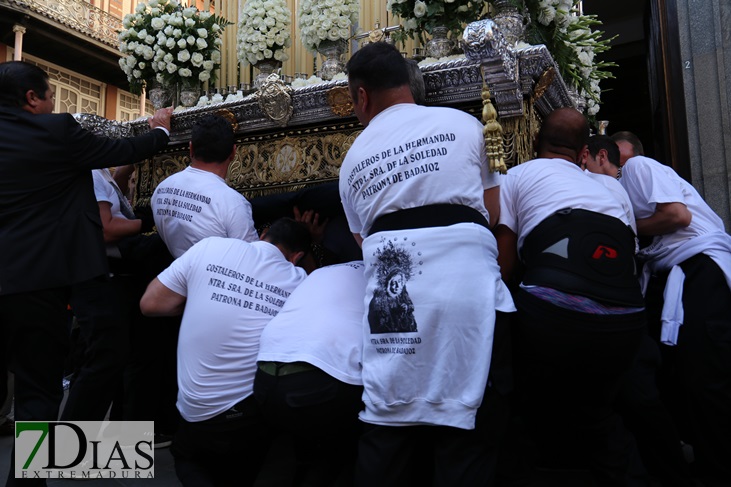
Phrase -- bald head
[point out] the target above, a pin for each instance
(564, 135)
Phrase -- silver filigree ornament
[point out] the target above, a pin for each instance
(275, 100)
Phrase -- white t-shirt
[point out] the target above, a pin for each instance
(104, 190)
(432, 292)
(534, 190)
(648, 183)
(614, 186)
(322, 323)
(194, 204)
(410, 156)
(233, 289)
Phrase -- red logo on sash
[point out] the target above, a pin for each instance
(604, 251)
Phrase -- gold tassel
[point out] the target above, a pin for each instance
(493, 133)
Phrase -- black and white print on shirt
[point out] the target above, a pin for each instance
(391, 309)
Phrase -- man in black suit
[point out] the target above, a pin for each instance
(50, 229)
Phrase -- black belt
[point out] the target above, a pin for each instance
(278, 369)
(428, 216)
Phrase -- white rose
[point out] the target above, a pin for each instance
(197, 59)
(177, 33)
(216, 57)
(204, 76)
(208, 65)
(189, 12)
(183, 56)
(203, 33)
(150, 39)
(171, 68)
(182, 44)
(168, 30)
(202, 44)
(140, 7)
(191, 40)
(157, 23)
(268, 53)
(189, 22)
(137, 73)
(148, 53)
(419, 9)
(170, 43)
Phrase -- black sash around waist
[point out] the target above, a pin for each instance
(584, 253)
(441, 215)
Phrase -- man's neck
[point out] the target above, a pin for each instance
(218, 168)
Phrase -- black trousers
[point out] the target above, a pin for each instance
(568, 370)
(226, 450)
(320, 414)
(35, 329)
(99, 307)
(696, 375)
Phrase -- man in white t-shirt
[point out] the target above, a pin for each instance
(197, 203)
(639, 403)
(309, 379)
(580, 315)
(688, 262)
(227, 291)
(413, 183)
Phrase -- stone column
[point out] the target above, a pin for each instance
(19, 31)
(705, 44)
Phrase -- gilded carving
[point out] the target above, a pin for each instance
(339, 100)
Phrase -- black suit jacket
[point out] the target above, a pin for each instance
(50, 230)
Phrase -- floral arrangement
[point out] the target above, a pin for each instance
(418, 16)
(264, 31)
(326, 20)
(573, 43)
(162, 40)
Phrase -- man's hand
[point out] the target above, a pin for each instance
(312, 221)
(161, 118)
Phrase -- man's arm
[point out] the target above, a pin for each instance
(491, 196)
(158, 300)
(116, 228)
(668, 218)
(507, 257)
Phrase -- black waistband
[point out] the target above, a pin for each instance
(585, 253)
(428, 216)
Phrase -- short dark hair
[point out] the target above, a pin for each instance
(212, 138)
(599, 142)
(416, 82)
(633, 140)
(377, 66)
(16, 78)
(290, 234)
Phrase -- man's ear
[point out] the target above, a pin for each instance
(363, 98)
(32, 99)
(295, 257)
(602, 157)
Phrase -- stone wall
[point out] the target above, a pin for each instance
(705, 43)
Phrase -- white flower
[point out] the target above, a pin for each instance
(185, 72)
(189, 22)
(182, 44)
(157, 23)
(197, 59)
(202, 44)
(171, 68)
(191, 40)
(183, 56)
(208, 65)
(419, 8)
(202, 33)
